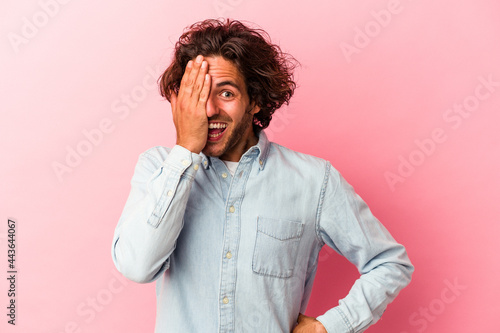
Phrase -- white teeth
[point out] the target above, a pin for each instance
(217, 125)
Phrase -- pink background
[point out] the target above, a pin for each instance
(373, 112)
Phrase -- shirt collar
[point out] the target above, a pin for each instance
(261, 150)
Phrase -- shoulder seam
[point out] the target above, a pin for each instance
(320, 201)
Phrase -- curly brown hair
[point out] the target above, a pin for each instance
(268, 72)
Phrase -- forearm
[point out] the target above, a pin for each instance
(152, 219)
(347, 225)
(370, 295)
(153, 216)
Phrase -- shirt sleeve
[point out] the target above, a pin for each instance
(346, 224)
(152, 218)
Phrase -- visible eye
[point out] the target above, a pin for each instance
(227, 94)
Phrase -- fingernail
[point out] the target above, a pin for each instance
(204, 64)
(198, 58)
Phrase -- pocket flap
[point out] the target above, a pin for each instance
(279, 228)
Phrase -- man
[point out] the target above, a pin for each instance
(230, 225)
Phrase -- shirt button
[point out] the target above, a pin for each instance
(185, 162)
(260, 162)
(170, 193)
(196, 166)
(225, 300)
(229, 255)
(224, 175)
(205, 162)
(231, 209)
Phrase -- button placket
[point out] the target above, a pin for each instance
(231, 241)
(235, 187)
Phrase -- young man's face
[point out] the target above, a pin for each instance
(230, 116)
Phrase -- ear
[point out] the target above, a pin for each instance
(254, 108)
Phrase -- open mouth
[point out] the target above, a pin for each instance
(216, 131)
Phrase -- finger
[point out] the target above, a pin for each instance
(185, 76)
(193, 75)
(205, 92)
(200, 80)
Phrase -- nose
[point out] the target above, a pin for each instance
(212, 108)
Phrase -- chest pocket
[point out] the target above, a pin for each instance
(276, 246)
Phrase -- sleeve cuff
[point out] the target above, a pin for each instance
(335, 321)
(183, 161)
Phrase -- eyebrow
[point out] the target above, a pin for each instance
(228, 83)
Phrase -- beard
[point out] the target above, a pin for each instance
(231, 140)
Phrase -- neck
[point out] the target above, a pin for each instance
(238, 151)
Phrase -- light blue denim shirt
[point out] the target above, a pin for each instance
(239, 253)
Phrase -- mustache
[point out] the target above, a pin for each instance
(218, 118)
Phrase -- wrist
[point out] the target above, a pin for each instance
(319, 328)
(191, 147)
